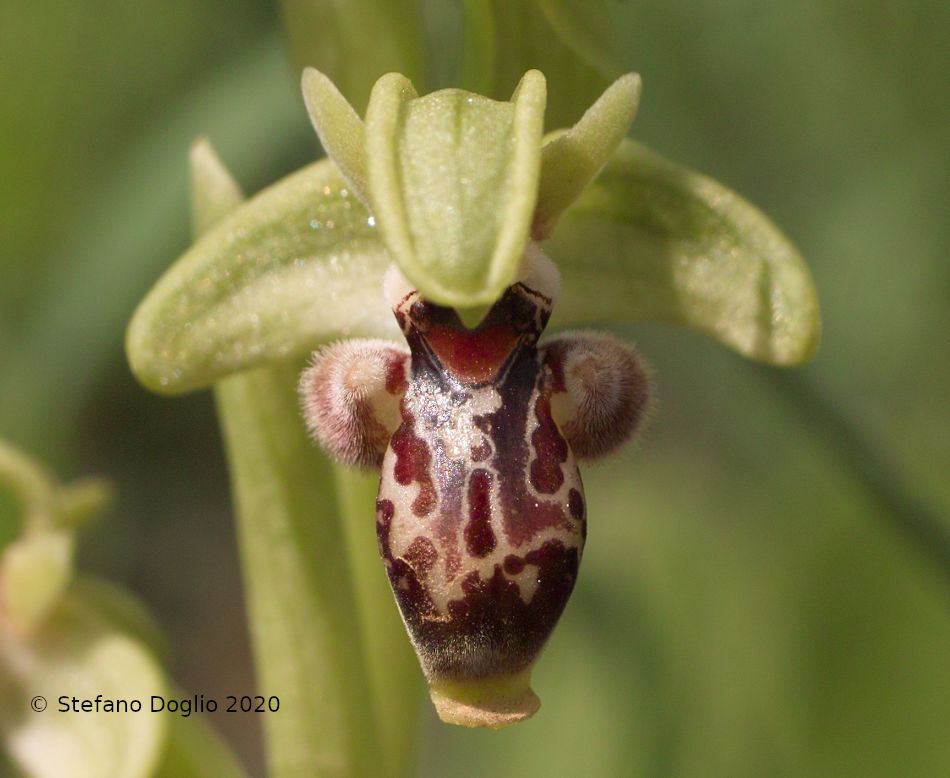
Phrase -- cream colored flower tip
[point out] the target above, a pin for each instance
(492, 703)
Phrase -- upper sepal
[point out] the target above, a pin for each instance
(453, 180)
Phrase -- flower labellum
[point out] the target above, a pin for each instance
(480, 515)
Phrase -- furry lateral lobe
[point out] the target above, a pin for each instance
(601, 391)
(350, 394)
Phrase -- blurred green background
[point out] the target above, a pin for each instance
(748, 606)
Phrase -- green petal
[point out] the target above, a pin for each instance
(453, 178)
(652, 240)
(78, 653)
(571, 160)
(298, 264)
(339, 127)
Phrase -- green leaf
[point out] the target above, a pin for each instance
(571, 160)
(453, 178)
(652, 240)
(79, 654)
(295, 265)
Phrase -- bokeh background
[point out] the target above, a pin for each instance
(757, 596)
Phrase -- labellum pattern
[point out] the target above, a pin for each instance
(481, 515)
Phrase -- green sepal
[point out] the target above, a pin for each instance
(295, 265)
(453, 179)
(651, 240)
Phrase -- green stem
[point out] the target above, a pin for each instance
(301, 605)
(394, 675)
(926, 530)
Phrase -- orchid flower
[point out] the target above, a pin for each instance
(449, 193)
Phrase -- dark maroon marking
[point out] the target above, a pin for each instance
(523, 514)
(479, 538)
(550, 450)
(481, 452)
(554, 360)
(491, 631)
(396, 376)
(385, 510)
(421, 556)
(412, 464)
(513, 564)
(411, 595)
(575, 503)
(404, 572)
(421, 313)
